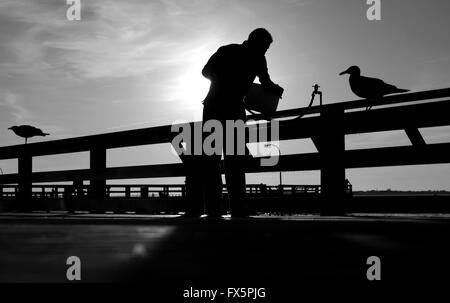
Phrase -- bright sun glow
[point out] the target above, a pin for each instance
(190, 86)
(194, 85)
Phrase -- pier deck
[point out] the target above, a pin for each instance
(258, 251)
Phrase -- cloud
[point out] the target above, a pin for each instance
(299, 2)
(14, 106)
(107, 42)
(438, 60)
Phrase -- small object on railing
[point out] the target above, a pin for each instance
(315, 92)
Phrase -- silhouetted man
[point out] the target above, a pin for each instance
(232, 70)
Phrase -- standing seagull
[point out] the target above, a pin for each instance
(369, 88)
(27, 131)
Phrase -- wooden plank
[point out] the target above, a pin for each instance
(377, 157)
(154, 135)
(376, 120)
(349, 105)
(398, 118)
(398, 156)
(299, 128)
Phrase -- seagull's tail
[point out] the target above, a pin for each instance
(45, 134)
(401, 90)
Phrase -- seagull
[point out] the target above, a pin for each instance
(27, 131)
(369, 88)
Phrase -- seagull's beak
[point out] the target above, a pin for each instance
(9, 127)
(344, 72)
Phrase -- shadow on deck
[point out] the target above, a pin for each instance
(263, 251)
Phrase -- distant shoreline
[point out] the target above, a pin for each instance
(402, 193)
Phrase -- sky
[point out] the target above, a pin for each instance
(134, 64)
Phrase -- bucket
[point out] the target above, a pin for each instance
(258, 100)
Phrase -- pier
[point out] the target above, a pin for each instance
(300, 234)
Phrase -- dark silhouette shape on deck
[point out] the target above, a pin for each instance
(232, 70)
(27, 131)
(369, 88)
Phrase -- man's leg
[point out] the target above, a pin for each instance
(235, 177)
(212, 178)
(194, 186)
(235, 165)
(212, 185)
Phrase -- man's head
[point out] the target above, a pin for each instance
(259, 40)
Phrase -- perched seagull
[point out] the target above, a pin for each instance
(27, 131)
(369, 88)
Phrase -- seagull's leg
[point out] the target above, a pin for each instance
(371, 102)
(26, 140)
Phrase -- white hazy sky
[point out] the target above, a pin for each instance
(132, 64)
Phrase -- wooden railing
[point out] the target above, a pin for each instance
(326, 125)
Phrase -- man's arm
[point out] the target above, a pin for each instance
(266, 82)
(213, 65)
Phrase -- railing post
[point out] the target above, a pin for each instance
(98, 167)
(68, 198)
(144, 192)
(183, 191)
(331, 146)
(108, 192)
(25, 191)
(78, 188)
(127, 192)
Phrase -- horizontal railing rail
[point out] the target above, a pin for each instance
(163, 134)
